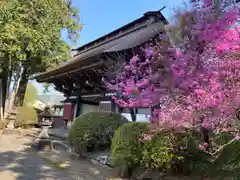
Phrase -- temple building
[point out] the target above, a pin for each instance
(80, 78)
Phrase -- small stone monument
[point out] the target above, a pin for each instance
(44, 142)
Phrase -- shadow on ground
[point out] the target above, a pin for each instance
(18, 161)
(26, 165)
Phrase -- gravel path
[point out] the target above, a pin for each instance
(19, 162)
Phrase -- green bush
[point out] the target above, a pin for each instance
(126, 149)
(94, 130)
(26, 117)
(129, 150)
(174, 152)
(159, 153)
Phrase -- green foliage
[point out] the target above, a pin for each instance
(27, 114)
(222, 138)
(158, 153)
(30, 32)
(129, 150)
(225, 163)
(30, 95)
(195, 160)
(94, 130)
(228, 162)
(175, 152)
(126, 149)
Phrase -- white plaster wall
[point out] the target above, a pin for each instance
(75, 111)
(139, 117)
(86, 108)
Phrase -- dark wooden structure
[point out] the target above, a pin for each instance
(81, 76)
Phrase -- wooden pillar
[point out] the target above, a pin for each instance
(113, 106)
(133, 114)
(120, 109)
(78, 106)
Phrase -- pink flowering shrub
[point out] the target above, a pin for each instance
(191, 86)
(196, 84)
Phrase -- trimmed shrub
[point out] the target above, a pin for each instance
(158, 153)
(94, 130)
(134, 146)
(126, 149)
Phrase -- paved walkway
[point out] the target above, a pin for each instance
(59, 132)
(19, 162)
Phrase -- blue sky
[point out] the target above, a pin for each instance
(101, 17)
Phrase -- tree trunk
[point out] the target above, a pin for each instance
(13, 94)
(22, 89)
(7, 82)
(4, 89)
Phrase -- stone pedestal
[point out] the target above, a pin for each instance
(44, 142)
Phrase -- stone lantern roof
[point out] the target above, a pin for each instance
(46, 113)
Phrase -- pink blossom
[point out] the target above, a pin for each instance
(128, 68)
(206, 124)
(237, 137)
(200, 78)
(223, 47)
(125, 93)
(147, 137)
(134, 60)
(201, 147)
(153, 119)
(142, 83)
(178, 52)
(200, 92)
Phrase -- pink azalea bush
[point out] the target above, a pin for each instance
(191, 80)
(195, 84)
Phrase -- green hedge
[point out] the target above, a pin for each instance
(130, 150)
(126, 149)
(173, 152)
(94, 130)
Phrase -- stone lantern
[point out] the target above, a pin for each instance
(46, 117)
(43, 142)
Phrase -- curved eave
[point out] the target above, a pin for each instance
(123, 42)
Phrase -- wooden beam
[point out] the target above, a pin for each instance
(73, 71)
(89, 102)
